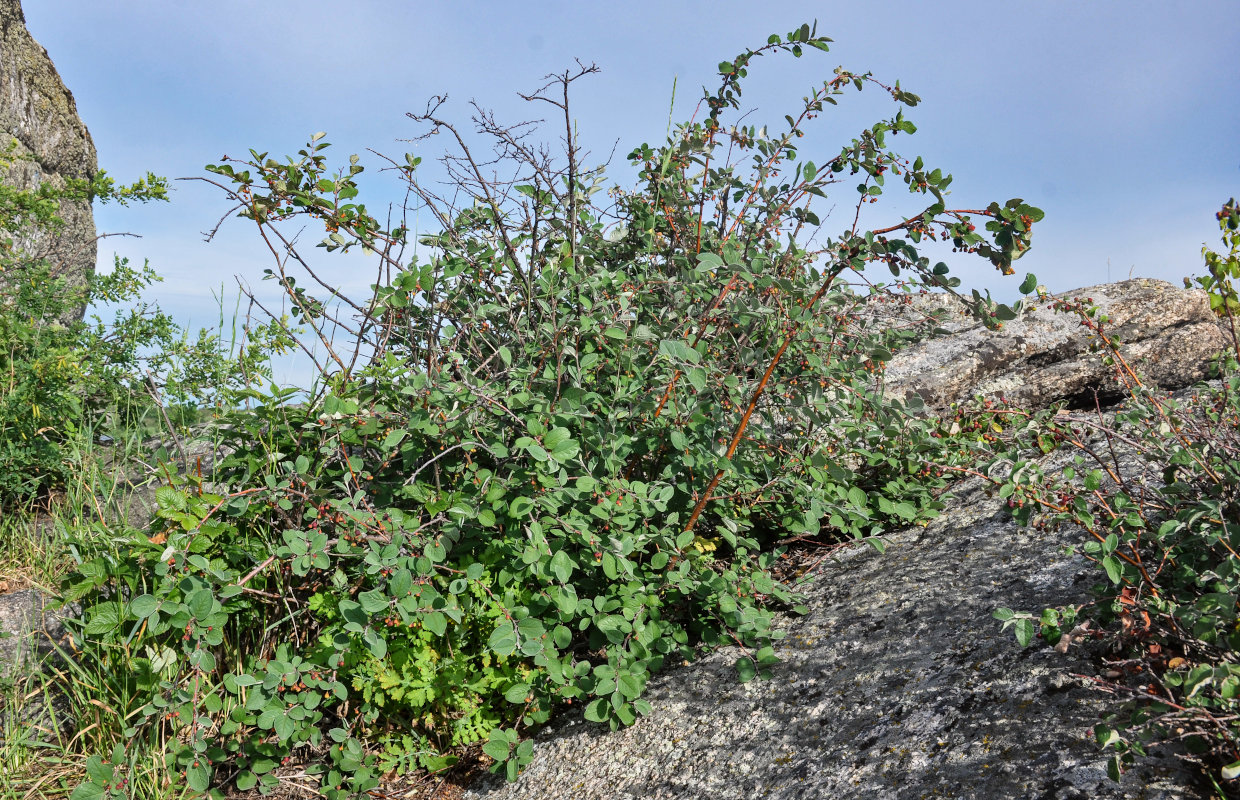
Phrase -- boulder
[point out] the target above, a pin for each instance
(1169, 334)
(30, 633)
(51, 144)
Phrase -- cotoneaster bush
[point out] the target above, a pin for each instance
(553, 451)
(1155, 490)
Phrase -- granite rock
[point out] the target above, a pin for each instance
(1169, 335)
(40, 115)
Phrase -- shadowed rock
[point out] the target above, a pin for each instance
(29, 635)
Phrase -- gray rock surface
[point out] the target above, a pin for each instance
(29, 635)
(27, 630)
(40, 114)
(1169, 335)
(898, 684)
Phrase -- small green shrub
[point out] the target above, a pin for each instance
(551, 454)
(56, 372)
(1156, 491)
(64, 378)
(1223, 269)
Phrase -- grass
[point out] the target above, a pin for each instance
(39, 545)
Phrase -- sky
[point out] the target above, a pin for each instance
(1121, 120)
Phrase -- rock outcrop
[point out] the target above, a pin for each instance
(39, 114)
(1169, 335)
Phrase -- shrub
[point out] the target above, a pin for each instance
(63, 377)
(557, 451)
(58, 373)
(1155, 487)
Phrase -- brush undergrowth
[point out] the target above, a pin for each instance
(558, 445)
(1155, 489)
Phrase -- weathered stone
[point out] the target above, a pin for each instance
(897, 684)
(915, 310)
(1169, 335)
(30, 633)
(195, 453)
(27, 629)
(39, 113)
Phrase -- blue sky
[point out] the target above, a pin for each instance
(1120, 119)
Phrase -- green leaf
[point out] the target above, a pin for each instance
(517, 693)
(199, 778)
(1024, 631)
(562, 566)
(906, 510)
(103, 618)
(520, 506)
(1106, 736)
(373, 601)
(503, 640)
(497, 748)
(630, 685)
(436, 623)
(679, 351)
(87, 791)
(598, 710)
(1029, 284)
(375, 643)
(170, 499)
(565, 450)
(746, 669)
(97, 771)
(1114, 569)
(392, 439)
(143, 606)
(555, 437)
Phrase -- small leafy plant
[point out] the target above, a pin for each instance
(1154, 486)
(1223, 269)
(555, 449)
(65, 377)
